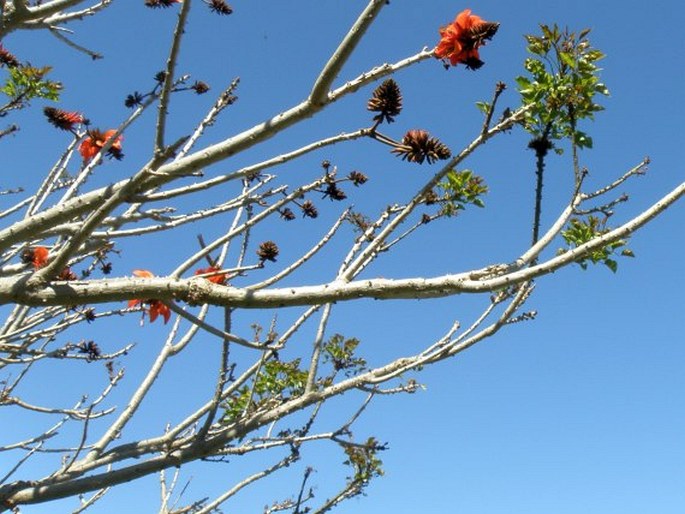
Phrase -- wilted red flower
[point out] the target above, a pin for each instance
(37, 256)
(62, 119)
(460, 40)
(218, 278)
(153, 308)
(94, 142)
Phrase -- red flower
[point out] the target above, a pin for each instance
(154, 308)
(37, 256)
(460, 40)
(94, 142)
(64, 120)
(218, 278)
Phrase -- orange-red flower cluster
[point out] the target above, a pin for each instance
(460, 40)
(153, 308)
(37, 256)
(217, 278)
(94, 142)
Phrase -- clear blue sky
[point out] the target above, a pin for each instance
(580, 411)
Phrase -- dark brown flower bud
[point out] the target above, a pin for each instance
(133, 100)
(430, 198)
(90, 348)
(309, 209)
(268, 251)
(386, 101)
(200, 87)
(219, 7)
(155, 4)
(333, 192)
(357, 178)
(67, 274)
(287, 214)
(89, 314)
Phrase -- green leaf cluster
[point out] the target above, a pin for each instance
(580, 231)
(26, 82)
(276, 382)
(459, 189)
(340, 352)
(561, 85)
(364, 461)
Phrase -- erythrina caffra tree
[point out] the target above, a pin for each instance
(244, 296)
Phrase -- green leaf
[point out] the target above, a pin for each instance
(483, 107)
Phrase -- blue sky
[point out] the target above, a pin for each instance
(581, 410)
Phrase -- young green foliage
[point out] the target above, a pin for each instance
(364, 461)
(340, 352)
(276, 382)
(461, 188)
(561, 86)
(26, 82)
(582, 231)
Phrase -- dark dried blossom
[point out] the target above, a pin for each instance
(425, 218)
(160, 76)
(109, 366)
(386, 101)
(90, 348)
(357, 178)
(200, 87)
(334, 192)
(106, 268)
(326, 164)
(417, 146)
(62, 119)
(360, 221)
(155, 4)
(7, 59)
(287, 214)
(67, 274)
(219, 7)
(541, 145)
(133, 100)
(89, 314)
(309, 209)
(268, 251)
(430, 197)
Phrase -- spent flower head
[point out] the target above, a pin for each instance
(418, 146)
(386, 101)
